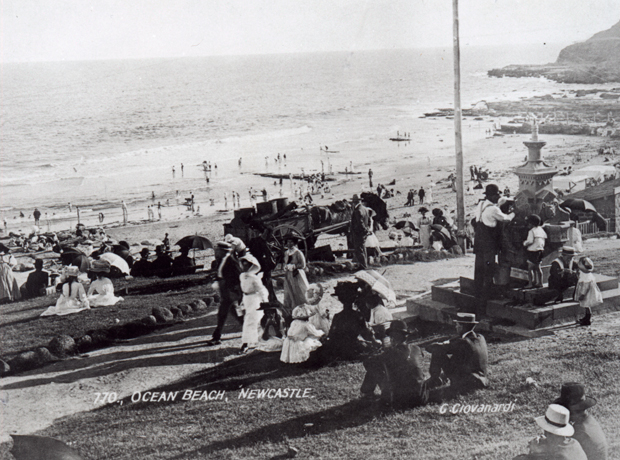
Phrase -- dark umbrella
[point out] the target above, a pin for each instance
(82, 262)
(405, 224)
(441, 229)
(42, 448)
(195, 242)
(68, 253)
(576, 204)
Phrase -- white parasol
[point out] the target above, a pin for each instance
(378, 283)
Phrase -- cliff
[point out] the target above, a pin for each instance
(596, 60)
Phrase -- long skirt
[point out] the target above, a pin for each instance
(251, 318)
(295, 288)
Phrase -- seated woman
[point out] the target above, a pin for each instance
(101, 290)
(73, 297)
(302, 337)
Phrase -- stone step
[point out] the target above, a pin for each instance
(466, 303)
(549, 315)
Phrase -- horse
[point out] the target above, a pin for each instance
(381, 215)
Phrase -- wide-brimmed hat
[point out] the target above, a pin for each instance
(397, 326)
(71, 271)
(224, 246)
(466, 318)
(568, 250)
(556, 421)
(491, 190)
(100, 266)
(437, 212)
(314, 294)
(585, 264)
(269, 306)
(423, 210)
(355, 198)
(573, 397)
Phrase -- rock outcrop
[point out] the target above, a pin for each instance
(597, 60)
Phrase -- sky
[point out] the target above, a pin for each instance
(55, 30)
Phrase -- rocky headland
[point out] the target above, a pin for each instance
(596, 60)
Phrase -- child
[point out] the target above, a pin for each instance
(302, 337)
(535, 245)
(587, 292)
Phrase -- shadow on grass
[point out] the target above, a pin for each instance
(348, 415)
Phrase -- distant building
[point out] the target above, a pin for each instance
(605, 197)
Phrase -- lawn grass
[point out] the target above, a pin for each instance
(335, 423)
(21, 327)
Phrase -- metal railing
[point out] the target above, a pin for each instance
(588, 228)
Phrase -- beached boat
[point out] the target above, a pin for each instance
(400, 139)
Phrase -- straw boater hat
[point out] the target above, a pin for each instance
(568, 250)
(585, 264)
(314, 294)
(573, 397)
(466, 318)
(72, 271)
(556, 420)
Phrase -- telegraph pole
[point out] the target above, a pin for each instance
(458, 144)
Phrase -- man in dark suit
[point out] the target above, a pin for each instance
(228, 271)
(397, 371)
(37, 281)
(463, 359)
(359, 229)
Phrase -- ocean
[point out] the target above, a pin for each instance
(93, 133)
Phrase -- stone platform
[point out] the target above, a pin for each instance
(515, 308)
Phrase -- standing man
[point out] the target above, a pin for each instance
(37, 216)
(487, 240)
(370, 177)
(421, 194)
(260, 249)
(125, 213)
(228, 271)
(359, 229)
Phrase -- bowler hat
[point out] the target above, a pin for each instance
(556, 421)
(491, 190)
(573, 397)
(355, 198)
(568, 250)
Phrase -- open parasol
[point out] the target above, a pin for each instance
(195, 242)
(82, 262)
(115, 261)
(577, 204)
(405, 224)
(377, 283)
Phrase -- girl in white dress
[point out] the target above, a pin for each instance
(254, 293)
(73, 298)
(321, 319)
(302, 337)
(101, 291)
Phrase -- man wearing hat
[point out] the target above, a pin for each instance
(397, 371)
(487, 240)
(556, 443)
(229, 285)
(359, 229)
(142, 267)
(587, 430)
(563, 272)
(462, 359)
(162, 265)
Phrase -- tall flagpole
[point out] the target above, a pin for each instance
(458, 144)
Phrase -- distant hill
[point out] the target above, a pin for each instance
(596, 60)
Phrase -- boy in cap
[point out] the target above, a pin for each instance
(397, 371)
(463, 359)
(587, 430)
(556, 443)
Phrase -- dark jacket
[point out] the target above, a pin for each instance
(468, 365)
(591, 437)
(360, 226)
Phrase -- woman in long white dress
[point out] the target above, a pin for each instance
(295, 281)
(424, 224)
(101, 291)
(73, 298)
(302, 337)
(254, 293)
